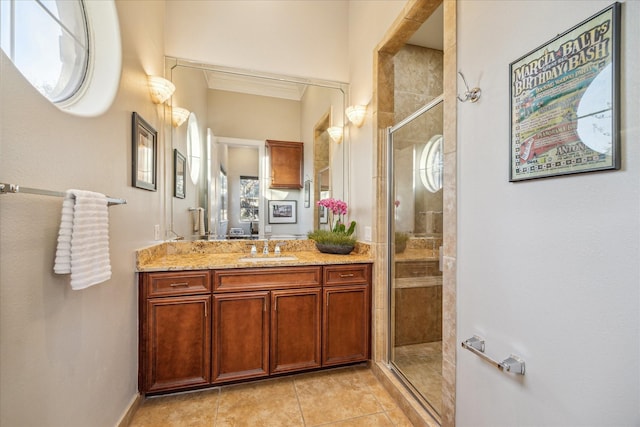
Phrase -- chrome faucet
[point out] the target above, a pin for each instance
(276, 251)
(265, 250)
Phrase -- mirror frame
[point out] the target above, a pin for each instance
(171, 63)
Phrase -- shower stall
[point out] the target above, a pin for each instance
(415, 230)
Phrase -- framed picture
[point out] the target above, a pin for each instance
(144, 154)
(323, 214)
(179, 174)
(283, 211)
(564, 99)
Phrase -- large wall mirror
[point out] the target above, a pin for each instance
(238, 110)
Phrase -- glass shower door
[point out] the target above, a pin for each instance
(415, 227)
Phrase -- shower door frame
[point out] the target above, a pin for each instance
(391, 251)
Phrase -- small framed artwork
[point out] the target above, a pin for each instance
(179, 174)
(283, 212)
(144, 157)
(564, 99)
(323, 215)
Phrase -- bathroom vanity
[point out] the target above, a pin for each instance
(232, 322)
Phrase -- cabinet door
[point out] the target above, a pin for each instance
(286, 163)
(240, 336)
(295, 329)
(346, 320)
(178, 343)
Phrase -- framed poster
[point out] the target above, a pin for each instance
(564, 99)
(283, 212)
(144, 154)
(179, 174)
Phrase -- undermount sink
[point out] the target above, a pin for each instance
(268, 259)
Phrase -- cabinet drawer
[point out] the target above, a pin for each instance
(350, 274)
(266, 278)
(173, 283)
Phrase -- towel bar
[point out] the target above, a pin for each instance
(512, 363)
(12, 188)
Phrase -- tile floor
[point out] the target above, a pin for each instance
(421, 364)
(350, 396)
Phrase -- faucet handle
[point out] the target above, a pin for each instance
(277, 249)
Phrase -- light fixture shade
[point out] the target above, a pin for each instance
(160, 88)
(178, 116)
(335, 132)
(356, 114)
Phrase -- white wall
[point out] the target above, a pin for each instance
(69, 358)
(368, 23)
(296, 38)
(547, 269)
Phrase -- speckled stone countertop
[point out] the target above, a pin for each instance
(204, 255)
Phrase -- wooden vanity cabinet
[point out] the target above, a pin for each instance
(346, 315)
(199, 328)
(175, 331)
(286, 159)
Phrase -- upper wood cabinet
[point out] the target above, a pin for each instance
(286, 162)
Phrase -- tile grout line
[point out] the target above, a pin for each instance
(295, 390)
(215, 418)
(384, 410)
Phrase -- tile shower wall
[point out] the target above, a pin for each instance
(418, 78)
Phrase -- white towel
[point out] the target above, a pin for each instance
(198, 221)
(83, 239)
(201, 221)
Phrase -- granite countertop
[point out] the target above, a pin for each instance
(204, 255)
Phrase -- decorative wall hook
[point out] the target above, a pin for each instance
(470, 94)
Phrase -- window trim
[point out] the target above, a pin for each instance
(102, 79)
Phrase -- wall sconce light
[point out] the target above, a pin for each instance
(160, 88)
(178, 116)
(335, 132)
(356, 114)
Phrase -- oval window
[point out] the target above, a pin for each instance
(431, 164)
(74, 57)
(194, 152)
(55, 57)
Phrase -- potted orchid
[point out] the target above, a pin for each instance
(338, 239)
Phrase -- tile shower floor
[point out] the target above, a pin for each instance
(349, 396)
(422, 365)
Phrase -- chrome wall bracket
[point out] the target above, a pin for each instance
(472, 95)
(513, 364)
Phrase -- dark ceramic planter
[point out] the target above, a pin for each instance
(334, 249)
